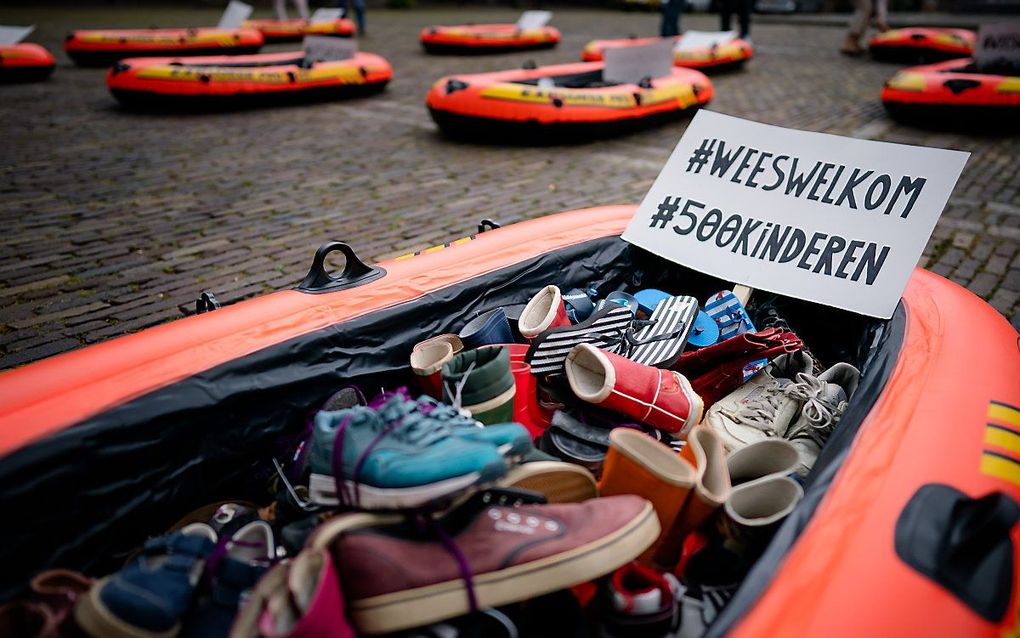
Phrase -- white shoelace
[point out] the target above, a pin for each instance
(821, 414)
(760, 412)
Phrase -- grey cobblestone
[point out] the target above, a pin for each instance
(117, 221)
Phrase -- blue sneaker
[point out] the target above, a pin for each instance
(393, 458)
(232, 574)
(151, 595)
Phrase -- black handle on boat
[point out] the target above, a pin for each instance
(488, 224)
(355, 272)
(206, 302)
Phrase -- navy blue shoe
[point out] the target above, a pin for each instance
(150, 596)
(487, 329)
(248, 554)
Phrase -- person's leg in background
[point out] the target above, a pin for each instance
(359, 15)
(744, 9)
(725, 14)
(882, 15)
(302, 8)
(671, 18)
(280, 9)
(858, 25)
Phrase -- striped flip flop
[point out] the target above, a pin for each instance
(662, 340)
(729, 314)
(603, 329)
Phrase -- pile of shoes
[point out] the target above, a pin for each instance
(590, 465)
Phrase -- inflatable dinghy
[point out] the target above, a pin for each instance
(905, 518)
(243, 80)
(486, 38)
(560, 102)
(105, 46)
(721, 57)
(295, 29)
(955, 95)
(922, 45)
(25, 62)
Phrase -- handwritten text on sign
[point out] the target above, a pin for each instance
(834, 220)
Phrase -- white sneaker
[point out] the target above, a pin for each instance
(759, 410)
(824, 400)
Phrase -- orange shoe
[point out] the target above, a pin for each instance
(638, 464)
(704, 450)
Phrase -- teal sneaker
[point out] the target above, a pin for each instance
(361, 459)
(512, 439)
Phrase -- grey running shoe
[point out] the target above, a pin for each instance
(759, 409)
(824, 400)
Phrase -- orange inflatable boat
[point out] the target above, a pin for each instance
(106, 46)
(729, 55)
(905, 526)
(243, 80)
(565, 101)
(920, 45)
(25, 62)
(954, 94)
(294, 30)
(486, 38)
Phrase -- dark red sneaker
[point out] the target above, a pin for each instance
(395, 581)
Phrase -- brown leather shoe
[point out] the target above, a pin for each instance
(394, 580)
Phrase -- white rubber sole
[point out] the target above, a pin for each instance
(424, 605)
(322, 490)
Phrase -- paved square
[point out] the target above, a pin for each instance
(114, 221)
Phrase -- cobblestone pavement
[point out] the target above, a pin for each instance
(114, 221)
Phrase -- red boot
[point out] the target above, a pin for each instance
(545, 310)
(661, 398)
(717, 370)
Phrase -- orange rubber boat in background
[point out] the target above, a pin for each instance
(922, 45)
(954, 94)
(909, 520)
(102, 47)
(25, 62)
(486, 38)
(726, 56)
(243, 80)
(295, 29)
(564, 101)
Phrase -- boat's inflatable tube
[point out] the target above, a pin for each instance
(514, 106)
(25, 62)
(296, 29)
(105, 445)
(729, 55)
(243, 80)
(106, 46)
(954, 94)
(921, 45)
(486, 38)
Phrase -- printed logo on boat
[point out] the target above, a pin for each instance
(683, 94)
(337, 72)
(1000, 456)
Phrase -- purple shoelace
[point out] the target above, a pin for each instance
(350, 500)
(424, 524)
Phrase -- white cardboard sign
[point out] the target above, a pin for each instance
(693, 40)
(14, 35)
(326, 15)
(834, 220)
(531, 20)
(234, 15)
(320, 48)
(998, 45)
(629, 65)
